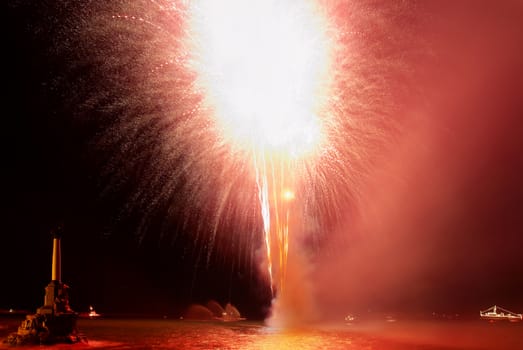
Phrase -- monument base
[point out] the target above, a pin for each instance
(55, 321)
(42, 328)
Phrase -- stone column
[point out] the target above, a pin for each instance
(56, 268)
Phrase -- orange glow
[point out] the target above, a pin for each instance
(262, 66)
(288, 195)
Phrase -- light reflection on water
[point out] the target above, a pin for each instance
(211, 335)
(175, 334)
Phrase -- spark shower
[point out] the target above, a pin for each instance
(250, 125)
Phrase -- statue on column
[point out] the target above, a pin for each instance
(55, 321)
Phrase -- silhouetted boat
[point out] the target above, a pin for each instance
(496, 313)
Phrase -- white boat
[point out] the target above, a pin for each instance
(496, 313)
(91, 314)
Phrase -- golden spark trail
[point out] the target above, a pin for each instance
(263, 195)
(273, 179)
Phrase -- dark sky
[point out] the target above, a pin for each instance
(442, 210)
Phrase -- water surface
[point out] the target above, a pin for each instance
(379, 335)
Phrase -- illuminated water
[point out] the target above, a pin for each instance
(379, 335)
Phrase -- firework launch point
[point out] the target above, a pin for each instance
(55, 321)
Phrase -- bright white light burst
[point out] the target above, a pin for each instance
(262, 65)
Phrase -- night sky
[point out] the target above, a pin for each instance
(438, 226)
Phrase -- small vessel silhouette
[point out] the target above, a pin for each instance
(496, 313)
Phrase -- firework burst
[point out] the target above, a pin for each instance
(182, 129)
